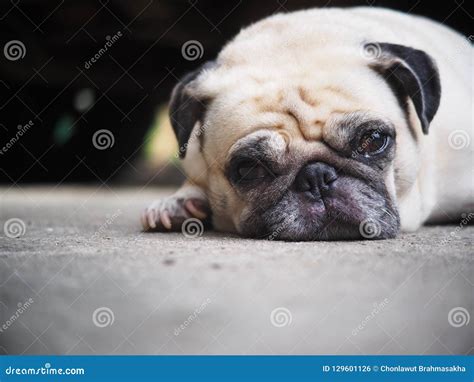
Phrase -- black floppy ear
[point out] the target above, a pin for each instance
(410, 73)
(185, 109)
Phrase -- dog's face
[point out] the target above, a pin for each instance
(314, 150)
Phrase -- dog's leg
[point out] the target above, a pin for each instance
(168, 213)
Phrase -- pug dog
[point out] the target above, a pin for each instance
(325, 124)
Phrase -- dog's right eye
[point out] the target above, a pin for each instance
(250, 170)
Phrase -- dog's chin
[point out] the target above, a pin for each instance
(352, 210)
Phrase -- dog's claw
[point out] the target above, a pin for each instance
(196, 208)
(165, 220)
(169, 213)
(143, 220)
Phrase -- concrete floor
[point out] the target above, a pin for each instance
(83, 279)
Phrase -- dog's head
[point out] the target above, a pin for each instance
(301, 142)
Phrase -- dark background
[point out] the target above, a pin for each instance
(127, 83)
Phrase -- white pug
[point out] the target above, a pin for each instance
(326, 124)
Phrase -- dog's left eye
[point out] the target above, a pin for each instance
(373, 143)
(250, 170)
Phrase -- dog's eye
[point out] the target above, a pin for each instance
(373, 143)
(250, 170)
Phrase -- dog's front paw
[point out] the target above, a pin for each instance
(168, 214)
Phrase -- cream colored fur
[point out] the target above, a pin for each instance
(312, 63)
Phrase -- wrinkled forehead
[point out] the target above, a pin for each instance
(245, 101)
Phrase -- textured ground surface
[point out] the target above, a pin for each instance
(99, 285)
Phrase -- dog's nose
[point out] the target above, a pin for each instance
(315, 178)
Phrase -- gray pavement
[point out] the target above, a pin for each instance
(83, 279)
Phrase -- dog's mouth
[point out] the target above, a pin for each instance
(352, 210)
